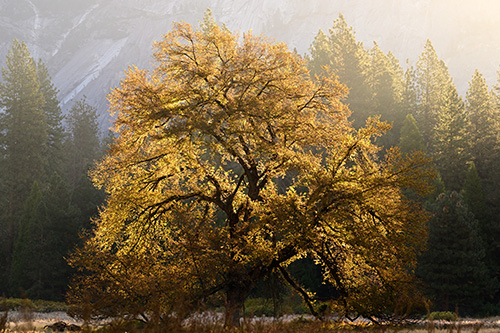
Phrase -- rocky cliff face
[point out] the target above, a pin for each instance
(88, 44)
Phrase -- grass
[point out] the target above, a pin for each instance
(299, 324)
(33, 316)
(15, 304)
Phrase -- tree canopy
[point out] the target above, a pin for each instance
(196, 206)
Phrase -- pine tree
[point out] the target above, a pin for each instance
(450, 140)
(411, 139)
(453, 266)
(24, 142)
(483, 126)
(54, 119)
(350, 60)
(409, 91)
(60, 218)
(23, 122)
(24, 274)
(473, 194)
(432, 80)
(480, 106)
(321, 54)
(474, 197)
(384, 78)
(438, 186)
(47, 233)
(83, 146)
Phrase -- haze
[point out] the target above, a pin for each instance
(88, 44)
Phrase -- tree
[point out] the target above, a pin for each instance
(53, 117)
(438, 188)
(432, 79)
(23, 276)
(341, 53)
(453, 266)
(35, 201)
(473, 194)
(385, 79)
(451, 139)
(83, 145)
(483, 128)
(82, 149)
(23, 119)
(474, 197)
(411, 140)
(47, 233)
(23, 140)
(409, 91)
(194, 210)
(321, 54)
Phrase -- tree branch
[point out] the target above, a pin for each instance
(302, 292)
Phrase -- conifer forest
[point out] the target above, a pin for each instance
(342, 181)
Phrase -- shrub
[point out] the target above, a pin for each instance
(49, 306)
(16, 304)
(259, 307)
(443, 315)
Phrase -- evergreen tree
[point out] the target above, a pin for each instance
(438, 186)
(453, 266)
(321, 54)
(384, 77)
(47, 234)
(483, 128)
(54, 118)
(411, 139)
(489, 230)
(349, 60)
(432, 79)
(24, 142)
(450, 146)
(24, 273)
(473, 194)
(60, 218)
(409, 91)
(23, 121)
(83, 146)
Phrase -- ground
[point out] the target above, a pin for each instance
(33, 321)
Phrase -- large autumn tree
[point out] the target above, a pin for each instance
(196, 205)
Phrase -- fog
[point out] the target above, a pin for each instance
(87, 44)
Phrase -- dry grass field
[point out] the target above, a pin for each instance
(25, 321)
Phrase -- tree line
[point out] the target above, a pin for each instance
(230, 166)
(460, 268)
(47, 198)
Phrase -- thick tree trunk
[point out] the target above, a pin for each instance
(236, 294)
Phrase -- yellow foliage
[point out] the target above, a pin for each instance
(231, 162)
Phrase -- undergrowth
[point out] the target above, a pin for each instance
(16, 304)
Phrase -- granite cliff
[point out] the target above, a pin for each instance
(87, 44)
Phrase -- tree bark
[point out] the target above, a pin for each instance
(236, 294)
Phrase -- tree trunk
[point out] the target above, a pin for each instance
(236, 294)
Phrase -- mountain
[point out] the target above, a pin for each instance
(88, 44)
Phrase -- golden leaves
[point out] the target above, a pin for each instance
(231, 161)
